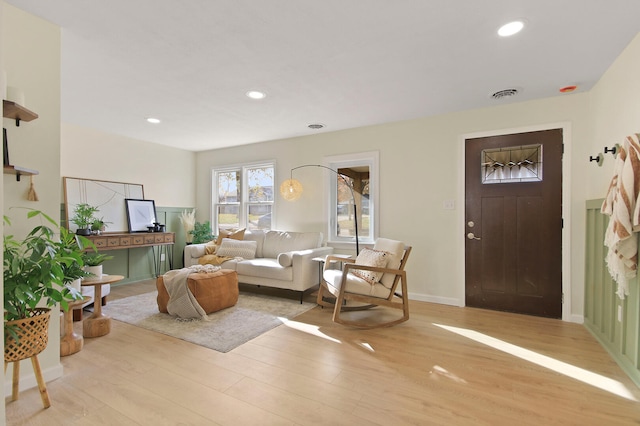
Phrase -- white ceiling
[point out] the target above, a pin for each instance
(342, 63)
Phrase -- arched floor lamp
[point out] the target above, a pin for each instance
(291, 190)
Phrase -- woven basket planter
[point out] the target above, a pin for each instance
(33, 336)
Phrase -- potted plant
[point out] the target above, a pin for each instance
(93, 264)
(36, 271)
(201, 233)
(98, 226)
(83, 218)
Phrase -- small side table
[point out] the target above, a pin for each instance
(98, 324)
(322, 259)
(71, 342)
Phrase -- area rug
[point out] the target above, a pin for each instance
(225, 330)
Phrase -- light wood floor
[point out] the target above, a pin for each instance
(445, 366)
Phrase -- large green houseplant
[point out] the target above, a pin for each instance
(36, 272)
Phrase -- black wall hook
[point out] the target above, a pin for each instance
(614, 150)
(598, 159)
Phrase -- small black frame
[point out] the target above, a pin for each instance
(141, 214)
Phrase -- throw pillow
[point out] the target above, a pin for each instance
(234, 248)
(210, 248)
(234, 234)
(370, 257)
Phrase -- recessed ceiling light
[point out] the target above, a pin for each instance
(316, 126)
(511, 28)
(255, 94)
(153, 120)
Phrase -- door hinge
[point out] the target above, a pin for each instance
(562, 299)
(562, 223)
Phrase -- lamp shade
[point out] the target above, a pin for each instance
(291, 189)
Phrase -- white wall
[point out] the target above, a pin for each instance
(420, 167)
(167, 174)
(2, 88)
(31, 59)
(616, 113)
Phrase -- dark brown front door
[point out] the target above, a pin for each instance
(513, 225)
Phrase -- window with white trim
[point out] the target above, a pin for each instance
(353, 196)
(243, 196)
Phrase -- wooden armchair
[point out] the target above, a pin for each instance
(352, 292)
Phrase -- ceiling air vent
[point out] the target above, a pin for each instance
(506, 93)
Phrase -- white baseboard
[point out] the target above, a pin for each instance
(578, 319)
(29, 381)
(436, 299)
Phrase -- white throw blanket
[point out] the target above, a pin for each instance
(622, 205)
(182, 303)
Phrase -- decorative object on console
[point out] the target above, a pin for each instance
(291, 189)
(141, 214)
(83, 218)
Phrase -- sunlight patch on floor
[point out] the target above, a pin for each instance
(440, 371)
(307, 328)
(569, 370)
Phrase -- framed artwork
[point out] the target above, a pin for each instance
(5, 147)
(141, 214)
(107, 196)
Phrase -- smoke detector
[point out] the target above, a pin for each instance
(505, 93)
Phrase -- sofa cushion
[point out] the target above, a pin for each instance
(233, 233)
(256, 235)
(233, 248)
(276, 242)
(265, 268)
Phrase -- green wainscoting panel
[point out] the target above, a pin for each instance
(137, 264)
(620, 336)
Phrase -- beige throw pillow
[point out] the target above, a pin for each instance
(370, 257)
(234, 234)
(234, 248)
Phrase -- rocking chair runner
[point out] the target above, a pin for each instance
(389, 291)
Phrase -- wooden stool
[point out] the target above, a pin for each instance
(98, 324)
(71, 342)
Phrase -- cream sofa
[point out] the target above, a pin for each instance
(282, 259)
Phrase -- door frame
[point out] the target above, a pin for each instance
(566, 204)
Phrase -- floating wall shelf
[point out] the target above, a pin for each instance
(19, 171)
(19, 113)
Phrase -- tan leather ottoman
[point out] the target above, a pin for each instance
(213, 291)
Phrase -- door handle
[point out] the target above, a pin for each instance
(471, 236)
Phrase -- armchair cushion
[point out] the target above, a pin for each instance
(369, 257)
(395, 249)
(354, 284)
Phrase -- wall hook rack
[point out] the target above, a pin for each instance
(598, 159)
(614, 150)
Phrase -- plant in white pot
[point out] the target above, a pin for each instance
(93, 264)
(36, 270)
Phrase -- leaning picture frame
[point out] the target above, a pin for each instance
(141, 214)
